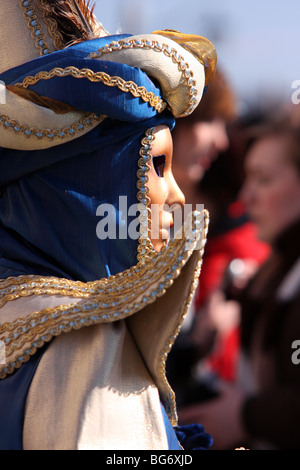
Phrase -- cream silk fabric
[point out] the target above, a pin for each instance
(88, 388)
(101, 396)
(17, 27)
(100, 387)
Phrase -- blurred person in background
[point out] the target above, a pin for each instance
(208, 150)
(197, 143)
(262, 411)
(233, 254)
(199, 139)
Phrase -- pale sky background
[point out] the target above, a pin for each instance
(258, 41)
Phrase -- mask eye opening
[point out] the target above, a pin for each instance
(159, 163)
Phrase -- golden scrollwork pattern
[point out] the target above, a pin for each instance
(115, 81)
(35, 27)
(51, 134)
(170, 52)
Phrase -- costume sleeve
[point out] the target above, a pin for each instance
(193, 437)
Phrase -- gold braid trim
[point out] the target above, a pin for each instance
(36, 29)
(145, 247)
(170, 402)
(106, 300)
(54, 32)
(50, 134)
(126, 86)
(171, 53)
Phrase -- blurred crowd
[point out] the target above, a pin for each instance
(231, 366)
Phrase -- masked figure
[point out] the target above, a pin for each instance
(90, 300)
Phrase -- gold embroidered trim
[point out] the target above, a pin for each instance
(52, 26)
(126, 86)
(170, 404)
(35, 27)
(183, 66)
(50, 134)
(145, 247)
(53, 32)
(106, 300)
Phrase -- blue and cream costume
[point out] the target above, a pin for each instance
(86, 323)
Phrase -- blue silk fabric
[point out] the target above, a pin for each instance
(12, 403)
(49, 198)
